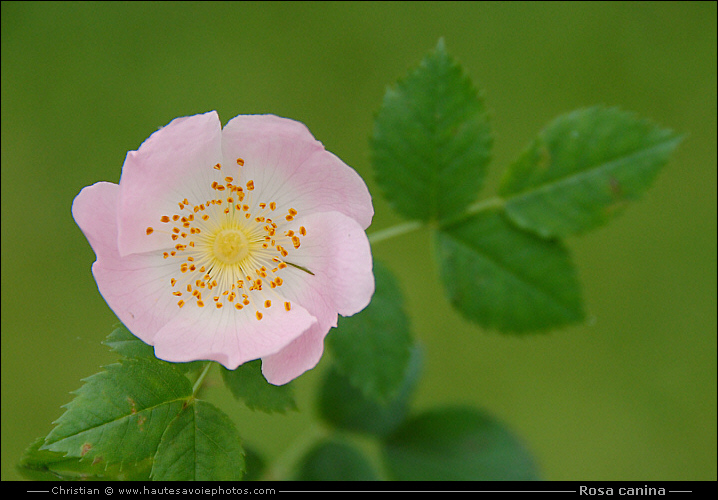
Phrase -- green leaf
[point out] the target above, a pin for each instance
(457, 444)
(505, 278)
(344, 406)
(335, 461)
(200, 444)
(254, 464)
(583, 169)
(45, 465)
(372, 347)
(125, 343)
(248, 384)
(120, 414)
(431, 140)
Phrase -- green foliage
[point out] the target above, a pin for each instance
(120, 414)
(200, 444)
(248, 384)
(125, 343)
(332, 460)
(137, 419)
(372, 348)
(346, 407)
(500, 261)
(431, 140)
(254, 463)
(505, 278)
(44, 465)
(457, 444)
(583, 169)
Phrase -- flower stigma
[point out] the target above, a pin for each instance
(231, 246)
(230, 249)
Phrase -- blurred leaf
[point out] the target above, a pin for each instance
(254, 463)
(431, 140)
(457, 444)
(44, 465)
(505, 278)
(344, 406)
(335, 461)
(200, 444)
(248, 384)
(120, 414)
(372, 347)
(583, 169)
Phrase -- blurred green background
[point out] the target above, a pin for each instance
(629, 395)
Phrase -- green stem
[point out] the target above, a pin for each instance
(484, 204)
(200, 379)
(408, 227)
(391, 232)
(477, 207)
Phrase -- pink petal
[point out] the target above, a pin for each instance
(129, 285)
(173, 163)
(232, 337)
(337, 251)
(301, 355)
(291, 167)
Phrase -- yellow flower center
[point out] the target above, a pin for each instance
(231, 246)
(230, 250)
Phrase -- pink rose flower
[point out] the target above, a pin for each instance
(232, 244)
